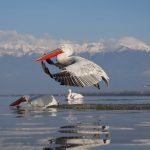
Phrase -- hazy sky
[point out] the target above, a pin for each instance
(98, 27)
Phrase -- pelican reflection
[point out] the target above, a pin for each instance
(35, 112)
(80, 136)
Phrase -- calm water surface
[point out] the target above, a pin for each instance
(60, 129)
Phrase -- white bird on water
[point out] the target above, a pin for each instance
(75, 70)
(35, 101)
(74, 96)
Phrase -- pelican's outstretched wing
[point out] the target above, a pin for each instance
(81, 73)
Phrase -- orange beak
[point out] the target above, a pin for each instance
(17, 102)
(51, 54)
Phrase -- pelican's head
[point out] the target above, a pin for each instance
(26, 97)
(69, 90)
(67, 49)
(63, 48)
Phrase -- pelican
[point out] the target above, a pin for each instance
(75, 70)
(35, 101)
(72, 96)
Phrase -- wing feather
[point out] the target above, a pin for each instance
(75, 81)
(81, 73)
(78, 81)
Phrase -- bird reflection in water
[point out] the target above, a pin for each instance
(35, 112)
(75, 101)
(80, 136)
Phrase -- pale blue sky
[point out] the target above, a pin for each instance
(81, 21)
(77, 19)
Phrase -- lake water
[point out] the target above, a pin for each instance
(60, 129)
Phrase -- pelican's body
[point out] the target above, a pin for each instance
(74, 96)
(38, 101)
(76, 71)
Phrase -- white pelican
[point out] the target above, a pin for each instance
(75, 70)
(35, 101)
(73, 96)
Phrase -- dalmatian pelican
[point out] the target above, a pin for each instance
(75, 70)
(35, 101)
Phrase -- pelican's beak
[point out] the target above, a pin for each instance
(17, 102)
(51, 54)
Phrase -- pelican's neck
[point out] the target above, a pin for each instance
(63, 58)
(69, 91)
(69, 95)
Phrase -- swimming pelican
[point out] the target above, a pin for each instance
(35, 101)
(73, 96)
(76, 71)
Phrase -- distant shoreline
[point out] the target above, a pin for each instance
(128, 93)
